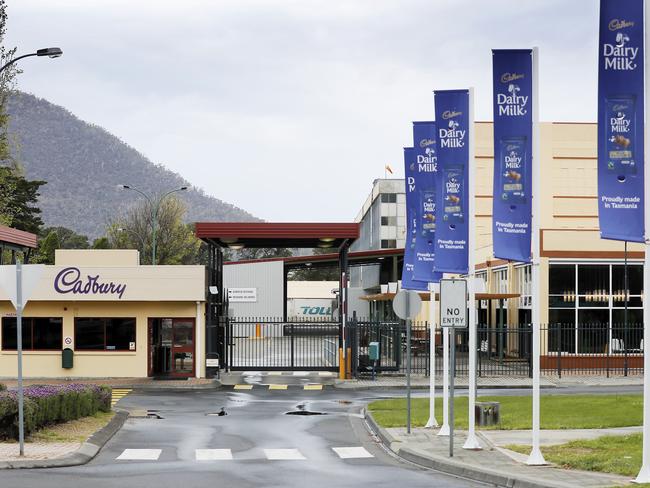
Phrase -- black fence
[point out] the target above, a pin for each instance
(266, 343)
(597, 349)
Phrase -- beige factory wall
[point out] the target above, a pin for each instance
(101, 364)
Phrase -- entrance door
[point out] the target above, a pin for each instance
(171, 347)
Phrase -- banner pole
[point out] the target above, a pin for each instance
(472, 441)
(644, 473)
(536, 458)
(444, 428)
(432, 422)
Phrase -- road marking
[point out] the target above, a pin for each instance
(325, 373)
(283, 454)
(278, 387)
(213, 454)
(301, 373)
(243, 387)
(139, 455)
(313, 387)
(352, 452)
(117, 394)
(274, 373)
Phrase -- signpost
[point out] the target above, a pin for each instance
(407, 305)
(453, 315)
(18, 283)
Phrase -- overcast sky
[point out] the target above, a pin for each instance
(289, 109)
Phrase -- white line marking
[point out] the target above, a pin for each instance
(140, 455)
(352, 452)
(301, 373)
(213, 454)
(283, 454)
(325, 373)
(275, 373)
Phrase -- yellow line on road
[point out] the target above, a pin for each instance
(243, 387)
(278, 387)
(313, 387)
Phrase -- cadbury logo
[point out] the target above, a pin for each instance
(508, 77)
(617, 24)
(427, 142)
(450, 114)
(69, 280)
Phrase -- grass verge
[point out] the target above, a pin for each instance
(74, 431)
(557, 411)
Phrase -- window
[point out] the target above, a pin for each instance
(525, 286)
(104, 334)
(39, 333)
(389, 198)
(388, 243)
(587, 308)
(389, 221)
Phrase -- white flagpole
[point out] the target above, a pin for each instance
(432, 422)
(444, 428)
(536, 458)
(471, 442)
(644, 474)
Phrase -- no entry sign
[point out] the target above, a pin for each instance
(453, 303)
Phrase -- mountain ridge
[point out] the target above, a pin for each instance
(83, 165)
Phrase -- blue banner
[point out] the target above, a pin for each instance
(512, 74)
(620, 120)
(426, 167)
(452, 141)
(408, 283)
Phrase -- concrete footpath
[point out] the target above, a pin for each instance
(492, 464)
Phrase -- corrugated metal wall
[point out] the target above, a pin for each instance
(267, 277)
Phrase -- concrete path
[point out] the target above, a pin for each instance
(503, 438)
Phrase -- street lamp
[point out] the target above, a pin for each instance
(50, 52)
(155, 207)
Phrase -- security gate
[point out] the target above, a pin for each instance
(267, 344)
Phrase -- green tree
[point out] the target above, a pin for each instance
(101, 243)
(47, 248)
(68, 239)
(260, 253)
(175, 240)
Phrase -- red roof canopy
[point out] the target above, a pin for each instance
(264, 234)
(18, 238)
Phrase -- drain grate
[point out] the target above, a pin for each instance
(304, 412)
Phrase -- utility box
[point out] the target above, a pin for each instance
(487, 413)
(67, 358)
(373, 351)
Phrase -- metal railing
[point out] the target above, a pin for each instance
(597, 349)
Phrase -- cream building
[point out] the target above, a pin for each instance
(119, 319)
(582, 276)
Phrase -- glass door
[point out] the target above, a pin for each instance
(182, 351)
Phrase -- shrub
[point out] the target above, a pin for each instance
(3, 387)
(50, 404)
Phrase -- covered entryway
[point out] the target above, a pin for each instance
(263, 343)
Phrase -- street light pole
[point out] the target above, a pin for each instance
(155, 208)
(50, 52)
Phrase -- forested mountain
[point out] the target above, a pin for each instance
(83, 164)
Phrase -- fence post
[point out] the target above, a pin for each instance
(559, 351)
(609, 343)
(529, 348)
(292, 344)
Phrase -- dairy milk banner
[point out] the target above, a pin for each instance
(425, 167)
(512, 72)
(620, 120)
(452, 142)
(408, 283)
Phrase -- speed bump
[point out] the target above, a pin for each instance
(278, 387)
(243, 387)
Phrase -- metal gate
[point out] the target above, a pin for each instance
(267, 344)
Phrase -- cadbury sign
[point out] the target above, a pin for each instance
(69, 280)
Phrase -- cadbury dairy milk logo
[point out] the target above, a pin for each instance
(452, 136)
(509, 77)
(450, 114)
(617, 24)
(427, 162)
(453, 186)
(411, 183)
(619, 56)
(511, 104)
(69, 280)
(427, 142)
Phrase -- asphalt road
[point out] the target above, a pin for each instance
(255, 430)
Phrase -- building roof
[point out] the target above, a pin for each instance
(329, 259)
(17, 238)
(285, 235)
(426, 296)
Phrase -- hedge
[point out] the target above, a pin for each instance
(51, 404)
(3, 387)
